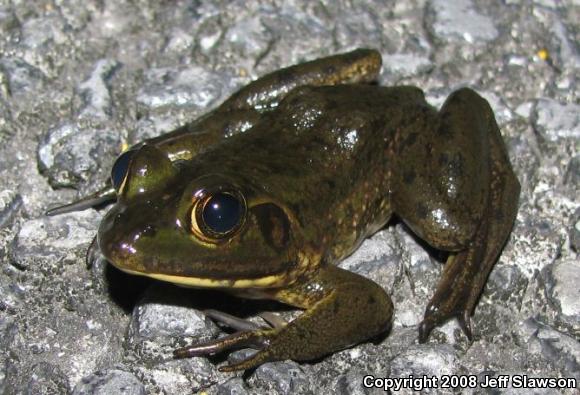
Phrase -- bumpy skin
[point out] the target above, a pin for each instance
(323, 160)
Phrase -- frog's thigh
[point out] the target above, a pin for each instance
(441, 172)
(361, 65)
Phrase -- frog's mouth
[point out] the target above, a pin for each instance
(271, 281)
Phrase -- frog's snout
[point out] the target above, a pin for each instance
(109, 239)
(118, 237)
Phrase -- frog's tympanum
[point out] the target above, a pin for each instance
(264, 195)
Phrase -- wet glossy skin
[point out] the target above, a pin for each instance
(319, 160)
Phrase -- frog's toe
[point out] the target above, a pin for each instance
(465, 324)
(434, 317)
(255, 360)
(231, 321)
(424, 330)
(456, 294)
(240, 324)
(93, 253)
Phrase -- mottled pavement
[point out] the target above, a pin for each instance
(79, 80)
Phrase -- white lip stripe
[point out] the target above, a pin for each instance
(262, 282)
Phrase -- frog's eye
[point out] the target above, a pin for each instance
(219, 214)
(222, 212)
(120, 169)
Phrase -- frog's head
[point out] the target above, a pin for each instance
(212, 230)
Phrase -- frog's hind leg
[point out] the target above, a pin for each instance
(358, 66)
(243, 109)
(466, 271)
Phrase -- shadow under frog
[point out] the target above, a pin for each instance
(265, 194)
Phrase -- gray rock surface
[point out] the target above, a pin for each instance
(110, 382)
(80, 80)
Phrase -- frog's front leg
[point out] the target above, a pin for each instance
(342, 309)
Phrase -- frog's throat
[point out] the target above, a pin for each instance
(275, 280)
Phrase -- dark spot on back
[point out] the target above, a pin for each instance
(330, 184)
(409, 140)
(409, 177)
(149, 231)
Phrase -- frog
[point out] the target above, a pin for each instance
(263, 196)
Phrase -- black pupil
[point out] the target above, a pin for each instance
(222, 212)
(120, 168)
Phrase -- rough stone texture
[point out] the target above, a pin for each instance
(110, 382)
(79, 80)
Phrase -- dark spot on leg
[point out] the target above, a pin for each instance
(443, 159)
(422, 211)
(444, 131)
(456, 165)
(288, 77)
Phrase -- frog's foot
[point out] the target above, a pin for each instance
(453, 298)
(258, 339)
(249, 335)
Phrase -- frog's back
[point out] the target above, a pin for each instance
(324, 151)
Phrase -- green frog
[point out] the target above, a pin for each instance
(265, 194)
